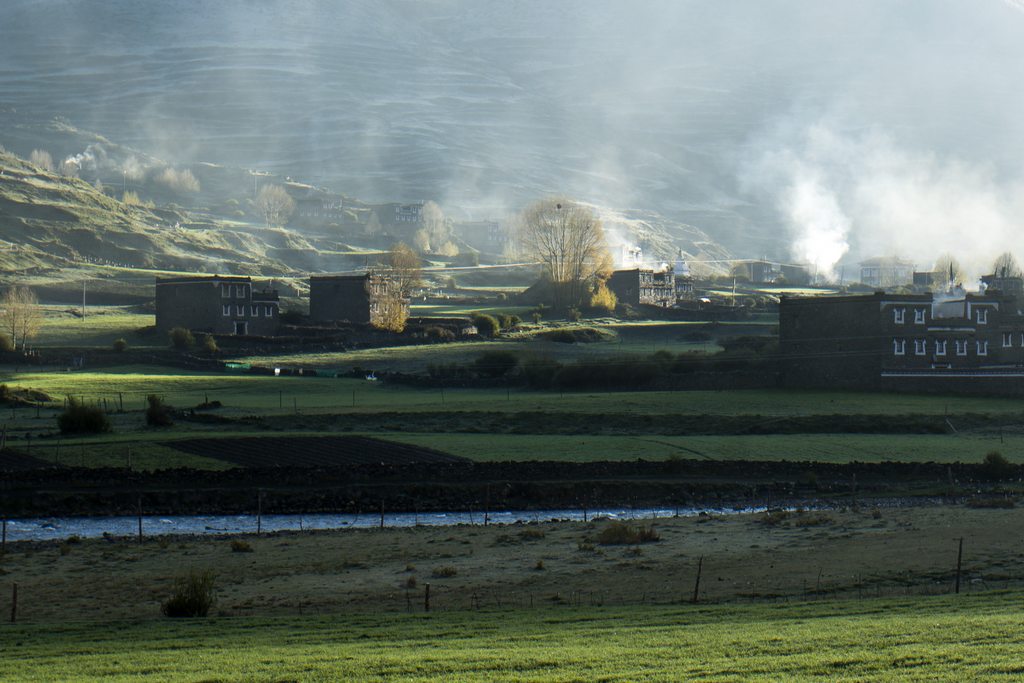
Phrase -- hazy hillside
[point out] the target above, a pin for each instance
(698, 111)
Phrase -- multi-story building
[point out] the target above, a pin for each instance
(218, 304)
(646, 287)
(354, 298)
(886, 271)
(901, 341)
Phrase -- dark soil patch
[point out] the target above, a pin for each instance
(313, 451)
(16, 460)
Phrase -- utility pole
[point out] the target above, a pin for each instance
(83, 299)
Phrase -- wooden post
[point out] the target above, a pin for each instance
(382, 513)
(259, 512)
(426, 597)
(14, 603)
(120, 402)
(295, 404)
(129, 458)
(959, 556)
(696, 584)
(584, 513)
(140, 519)
(353, 398)
(3, 541)
(280, 399)
(487, 504)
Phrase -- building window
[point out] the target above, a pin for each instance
(226, 310)
(1007, 340)
(919, 316)
(982, 316)
(961, 347)
(225, 291)
(898, 315)
(982, 347)
(254, 310)
(899, 347)
(940, 347)
(239, 291)
(268, 311)
(920, 346)
(240, 310)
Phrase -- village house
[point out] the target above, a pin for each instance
(919, 342)
(218, 304)
(354, 297)
(886, 271)
(644, 287)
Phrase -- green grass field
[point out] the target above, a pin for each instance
(256, 392)
(922, 639)
(64, 326)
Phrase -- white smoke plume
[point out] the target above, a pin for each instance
(862, 194)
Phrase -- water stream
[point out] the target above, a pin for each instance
(50, 528)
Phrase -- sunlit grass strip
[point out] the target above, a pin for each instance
(939, 638)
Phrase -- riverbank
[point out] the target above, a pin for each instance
(798, 555)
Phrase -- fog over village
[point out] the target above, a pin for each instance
(478, 340)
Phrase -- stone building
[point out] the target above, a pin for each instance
(641, 286)
(218, 304)
(919, 342)
(354, 298)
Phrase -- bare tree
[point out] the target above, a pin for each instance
(1006, 265)
(568, 240)
(42, 159)
(947, 272)
(275, 205)
(393, 288)
(20, 317)
(436, 225)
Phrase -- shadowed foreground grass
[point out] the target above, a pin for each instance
(936, 638)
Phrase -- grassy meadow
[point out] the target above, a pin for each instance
(935, 639)
(791, 598)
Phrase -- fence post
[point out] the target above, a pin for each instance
(140, 518)
(696, 584)
(426, 597)
(259, 511)
(382, 513)
(3, 542)
(14, 603)
(959, 556)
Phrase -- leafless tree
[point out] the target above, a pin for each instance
(1006, 265)
(275, 205)
(42, 159)
(394, 287)
(568, 240)
(20, 316)
(947, 272)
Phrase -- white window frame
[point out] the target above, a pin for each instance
(940, 347)
(240, 311)
(981, 346)
(919, 316)
(254, 310)
(982, 316)
(1007, 340)
(239, 291)
(920, 347)
(899, 347)
(225, 310)
(268, 311)
(225, 291)
(961, 347)
(899, 315)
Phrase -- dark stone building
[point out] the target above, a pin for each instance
(641, 286)
(355, 298)
(951, 342)
(218, 304)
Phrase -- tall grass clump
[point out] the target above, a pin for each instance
(623, 533)
(79, 418)
(158, 413)
(192, 597)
